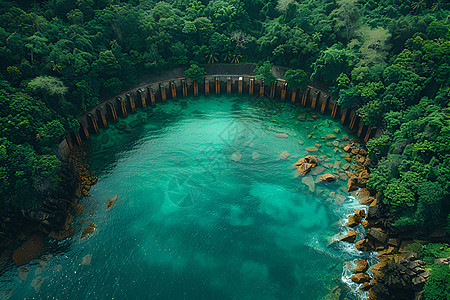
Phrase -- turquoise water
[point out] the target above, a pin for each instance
(208, 207)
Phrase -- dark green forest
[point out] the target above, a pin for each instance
(388, 58)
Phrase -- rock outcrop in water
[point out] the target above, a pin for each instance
(305, 164)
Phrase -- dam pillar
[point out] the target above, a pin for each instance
(162, 90)
(334, 110)
(112, 109)
(293, 96)
(217, 83)
(228, 85)
(314, 99)
(352, 120)
(77, 138)
(273, 87)
(143, 96)
(152, 97)
(195, 88)
(69, 141)
(131, 101)
(367, 137)
(84, 130)
(184, 88)
(343, 115)
(360, 128)
(101, 116)
(122, 107)
(261, 88)
(240, 82)
(93, 122)
(324, 104)
(173, 90)
(251, 86)
(283, 92)
(206, 86)
(305, 96)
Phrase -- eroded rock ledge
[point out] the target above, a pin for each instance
(23, 233)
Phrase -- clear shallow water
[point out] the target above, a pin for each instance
(206, 209)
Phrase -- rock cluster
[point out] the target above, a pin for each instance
(81, 169)
(305, 164)
(403, 280)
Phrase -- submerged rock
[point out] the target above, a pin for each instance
(111, 201)
(361, 266)
(28, 251)
(360, 278)
(285, 155)
(309, 181)
(255, 155)
(312, 149)
(340, 199)
(78, 209)
(350, 237)
(328, 177)
(329, 136)
(86, 260)
(37, 283)
(353, 220)
(23, 273)
(89, 229)
(236, 156)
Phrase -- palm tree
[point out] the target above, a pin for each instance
(235, 58)
(418, 5)
(212, 57)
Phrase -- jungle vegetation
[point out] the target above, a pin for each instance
(388, 58)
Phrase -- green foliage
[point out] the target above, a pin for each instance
(264, 71)
(378, 147)
(296, 79)
(195, 72)
(437, 286)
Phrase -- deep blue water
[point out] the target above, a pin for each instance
(206, 209)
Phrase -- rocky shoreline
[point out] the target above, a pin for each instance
(24, 233)
(399, 274)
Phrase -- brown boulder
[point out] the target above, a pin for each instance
(365, 286)
(328, 177)
(361, 213)
(306, 163)
(111, 201)
(364, 192)
(353, 220)
(365, 224)
(366, 200)
(377, 235)
(78, 209)
(304, 168)
(28, 251)
(361, 266)
(360, 278)
(352, 184)
(349, 237)
(312, 149)
(361, 245)
(355, 151)
(89, 229)
(378, 269)
(63, 234)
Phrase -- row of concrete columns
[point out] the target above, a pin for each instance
(146, 96)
